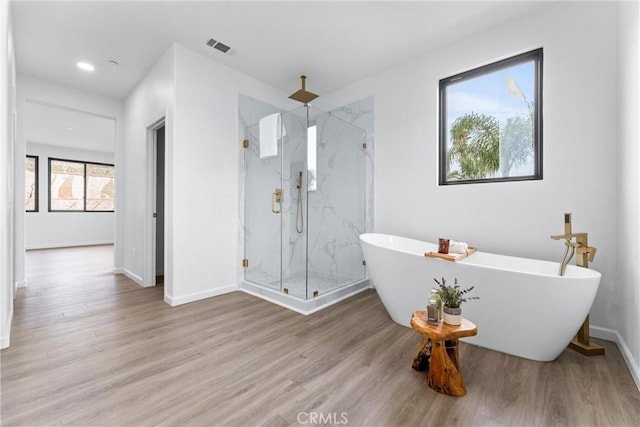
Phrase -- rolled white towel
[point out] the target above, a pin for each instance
(458, 247)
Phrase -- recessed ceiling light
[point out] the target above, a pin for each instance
(69, 129)
(85, 66)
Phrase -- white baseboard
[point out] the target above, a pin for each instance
(130, 275)
(19, 284)
(4, 341)
(614, 336)
(603, 333)
(66, 245)
(628, 358)
(184, 299)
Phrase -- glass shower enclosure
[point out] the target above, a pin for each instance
(304, 206)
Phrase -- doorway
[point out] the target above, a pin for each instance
(155, 253)
(159, 206)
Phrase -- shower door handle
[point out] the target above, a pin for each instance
(276, 199)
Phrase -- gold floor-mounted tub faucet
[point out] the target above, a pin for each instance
(585, 254)
(580, 246)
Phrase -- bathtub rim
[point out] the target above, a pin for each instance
(572, 271)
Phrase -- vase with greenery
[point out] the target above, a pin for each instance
(452, 298)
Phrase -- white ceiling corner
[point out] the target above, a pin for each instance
(334, 43)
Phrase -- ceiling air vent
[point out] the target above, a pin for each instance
(222, 47)
(218, 45)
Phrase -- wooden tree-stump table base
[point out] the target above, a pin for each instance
(438, 352)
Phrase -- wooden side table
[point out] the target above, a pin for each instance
(444, 363)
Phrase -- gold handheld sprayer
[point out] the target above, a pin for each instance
(299, 217)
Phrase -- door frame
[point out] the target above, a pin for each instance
(150, 221)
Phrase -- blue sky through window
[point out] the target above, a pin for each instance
(505, 93)
(488, 94)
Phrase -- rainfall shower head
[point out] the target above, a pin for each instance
(303, 95)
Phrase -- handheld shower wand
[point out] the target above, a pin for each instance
(299, 217)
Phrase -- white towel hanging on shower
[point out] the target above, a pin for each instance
(271, 131)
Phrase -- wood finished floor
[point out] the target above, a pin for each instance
(92, 348)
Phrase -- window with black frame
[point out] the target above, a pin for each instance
(490, 124)
(31, 184)
(76, 186)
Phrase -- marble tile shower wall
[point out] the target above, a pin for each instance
(340, 209)
(362, 114)
(256, 182)
(336, 214)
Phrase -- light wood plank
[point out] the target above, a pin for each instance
(92, 348)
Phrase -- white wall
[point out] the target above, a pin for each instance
(7, 142)
(46, 229)
(204, 182)
(580, 157)
(199, 98)
(627, 305)
(151, 100)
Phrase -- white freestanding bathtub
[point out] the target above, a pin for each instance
(525, 308)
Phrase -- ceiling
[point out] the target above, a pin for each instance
(333, 43)
(64, 127)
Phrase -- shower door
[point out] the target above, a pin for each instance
(263, 201)
(294, 213)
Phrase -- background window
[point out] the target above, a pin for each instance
(31, 184)
(80, 186)
(491, 122)
(66, 185)
(100, 187)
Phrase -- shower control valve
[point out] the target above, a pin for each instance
(276, 199)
